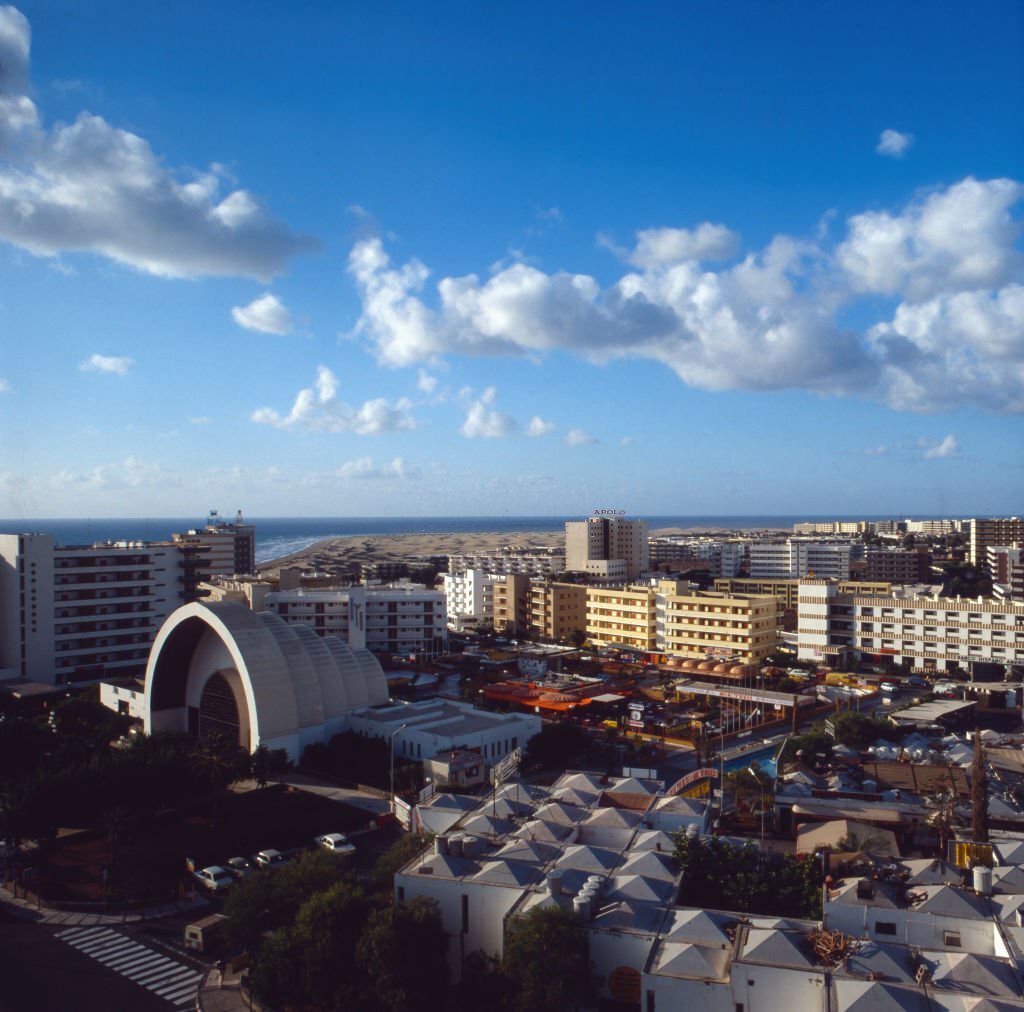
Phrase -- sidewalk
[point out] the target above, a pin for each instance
(29, 910)
(222, 992)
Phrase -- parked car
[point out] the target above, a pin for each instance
(336, 843)
(238, 867)
(916, 682)
(889, 687)
(215, 878)
(269, 858)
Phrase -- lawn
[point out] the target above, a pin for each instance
(149, 863)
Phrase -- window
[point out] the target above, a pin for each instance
(951, 938)
(885, 928)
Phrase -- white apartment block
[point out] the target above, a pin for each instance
(797, 558)
(1006, 566)
(926, 633)
(935, 528)
(992, 531)
(724, 558)
(399, 618)
(529, 561)
(834, 527)
(469, 598)
(607, 539)
(222, 548)
(82, 613)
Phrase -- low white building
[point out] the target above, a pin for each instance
(397, 618)
(799, 557)
(925, 632)
(469, 598)
(427, 727)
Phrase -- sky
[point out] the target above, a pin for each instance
(488, 259)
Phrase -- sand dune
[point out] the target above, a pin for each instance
(333, 554)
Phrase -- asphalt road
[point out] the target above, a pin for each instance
(39, 972)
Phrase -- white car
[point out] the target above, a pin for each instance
(238, 867)
(889, 687)
(336, 843)
(270, 858)
(215, 878)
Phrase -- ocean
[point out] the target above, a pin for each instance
(277, 536)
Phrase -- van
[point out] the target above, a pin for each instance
(207, 935)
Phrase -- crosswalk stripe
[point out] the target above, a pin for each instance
(165, 983)
(140, 965)
(75, 932)
(184, 992)
(155, 972)
(112, 943)
(127, 958)
(93, 939)
(94, 948)
(173, 981)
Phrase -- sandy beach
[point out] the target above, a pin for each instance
(334, 554)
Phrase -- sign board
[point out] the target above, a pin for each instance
(640, 772)
(608, 513)
(636, 725)
(967, 854)
(701, 789)
(704, 773)
(402, 811)
(624, 983)
(508, 767)
(427, 793)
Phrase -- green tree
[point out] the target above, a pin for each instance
(330, 925)
(268, 900)
(403, 850)
(545, 962)
(557, 745)
(277, 975)
(404, 950)
(858, 730)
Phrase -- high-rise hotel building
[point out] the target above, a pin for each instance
(80, 613)
(607, 547)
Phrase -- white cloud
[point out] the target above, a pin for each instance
(318, 409)
(537, 426)
(579, 437)
(5, 386)
(774, 319)
(88, 186)
(364, 467)
(876, 451)
(656, 247)
(626, 441)
(119, 364)
(199, 420)
(425, 382)
(484, 421)
(267, 315)
(949, 447)
(958, 239)
(894, 144)
(130, 473)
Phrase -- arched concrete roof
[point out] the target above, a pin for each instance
(292, 679)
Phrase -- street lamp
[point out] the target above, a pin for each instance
(391, 761)
(760, 785)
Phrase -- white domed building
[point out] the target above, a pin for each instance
(220, 668)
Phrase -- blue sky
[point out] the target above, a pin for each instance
(467, 259)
